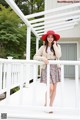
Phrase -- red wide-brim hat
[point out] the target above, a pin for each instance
(50, 32)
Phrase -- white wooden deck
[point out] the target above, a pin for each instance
(31, 104)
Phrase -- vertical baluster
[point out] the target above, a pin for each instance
(34, 82)
(8, 82)
(21, 83)
(4, 75)
(77, 87)
(62, 85)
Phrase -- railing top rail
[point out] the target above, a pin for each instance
(63, 62)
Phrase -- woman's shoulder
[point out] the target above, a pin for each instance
(42, 47)
(59, 45)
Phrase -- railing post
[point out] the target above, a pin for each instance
(21, 83)
(34, 82)
(37, 44)
(48, 84)
(10, 57)
(28, 43)
(62, 85)
(4, 75)
(28, 46)
(77, 87)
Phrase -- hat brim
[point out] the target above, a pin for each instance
(57, 36)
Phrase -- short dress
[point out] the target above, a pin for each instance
(55, 73)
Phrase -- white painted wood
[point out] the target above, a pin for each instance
(62, 85)
(58, 27)
(65, 62)
(48, 84)
(75, 17)
(53, 10)
(69, 52)
(22, 62)
(8, 82)
(37, 44)
(21, 83)
(34, 82)
(56, 16)
(20, 14)
(4, 75)
(77, 87)
(64, 29)
(41, 112)
(57, 24)
(28, 42)
(48, 12)
(57, 30)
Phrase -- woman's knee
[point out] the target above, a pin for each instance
(54, 87)
(51, 87)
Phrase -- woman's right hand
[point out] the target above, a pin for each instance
(46, 61)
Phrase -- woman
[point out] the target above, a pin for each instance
(50, 51)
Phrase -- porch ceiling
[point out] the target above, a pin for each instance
(59, 19)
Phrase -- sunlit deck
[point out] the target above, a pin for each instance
(31, 103)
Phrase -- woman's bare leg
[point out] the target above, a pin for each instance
(53, 93)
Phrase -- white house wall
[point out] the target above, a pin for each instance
(73, 40)
(50, 4)
(74, 32)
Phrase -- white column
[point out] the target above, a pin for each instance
(34, 82)
(28, 43)
(37, 44)
(77, 87)
(62, 85)
(37, 47)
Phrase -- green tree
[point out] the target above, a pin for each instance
(33, 45)
(13, 37)
(12, 34)
(3, 2)
(30, 6)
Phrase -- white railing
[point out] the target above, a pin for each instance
(76, 64)
(17, 72)
(14, 73)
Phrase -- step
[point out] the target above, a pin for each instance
(27, 113)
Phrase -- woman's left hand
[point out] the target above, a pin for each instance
(55, 42)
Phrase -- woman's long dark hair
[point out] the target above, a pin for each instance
(52, 48)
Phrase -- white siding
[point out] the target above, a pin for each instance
(50, 4)
(75, 32)
(73, 40)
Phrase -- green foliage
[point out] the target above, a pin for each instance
(30, 6)
(14, 90)
(13, 31)
(33, 45)
(12, 34)
(3, 2)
